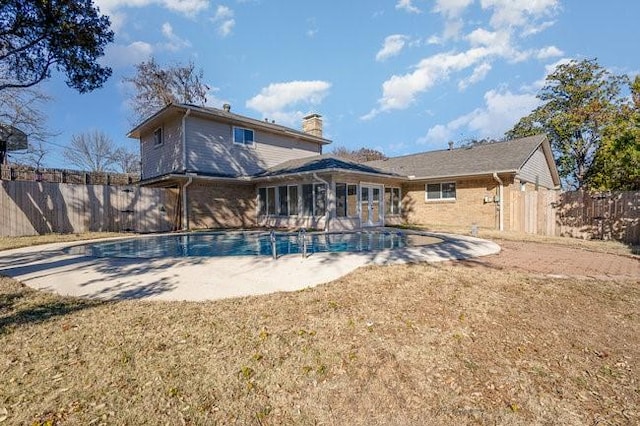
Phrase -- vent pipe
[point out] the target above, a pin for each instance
(226, 107)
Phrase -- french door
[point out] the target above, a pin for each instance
(371, 211)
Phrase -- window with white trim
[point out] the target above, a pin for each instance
(346, 200)
(267, 201)
(440, 191)
(392, 200)
(158, 139)
(242, 136)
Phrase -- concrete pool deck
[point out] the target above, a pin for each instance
(51, 268)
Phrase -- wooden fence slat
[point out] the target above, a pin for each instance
(31, 208)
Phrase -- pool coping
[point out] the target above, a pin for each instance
(50, 268)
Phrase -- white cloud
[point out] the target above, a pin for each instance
(279, 100)
(399, 91)
(408, 6)
(224, 20)
(501, 111)
(535, 29)
(185, 7)
(118, 20)
(517, 13)
(479, 73)
(549, 52)
(392, 46)
(120, 56)
(174, 43)
(452, 29)
(451, 8)
(222, 13)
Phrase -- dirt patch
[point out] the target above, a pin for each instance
(556, 260)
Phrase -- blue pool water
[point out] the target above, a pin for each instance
(210, 244)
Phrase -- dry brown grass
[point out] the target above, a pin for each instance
(607, 246)
(400, 345)
(7, 243)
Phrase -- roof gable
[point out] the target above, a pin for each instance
(215, 114)
(323, 163)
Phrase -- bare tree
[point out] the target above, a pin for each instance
(92, 151)
(21, 108)
(35, 154)
(156, 87)
(127, 160)
(358, 155)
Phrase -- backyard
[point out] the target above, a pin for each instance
(546, 332)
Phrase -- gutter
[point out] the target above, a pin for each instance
(434, 178)
(500, 201)
(327, 213)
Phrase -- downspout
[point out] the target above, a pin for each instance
(500, 201)
(327, 213)
(184, 139)
(185, 206)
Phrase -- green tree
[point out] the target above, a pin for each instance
(616, 166)
(156, 87)
(38, 35)
(580, 99)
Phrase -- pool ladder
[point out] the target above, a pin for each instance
(302, 240)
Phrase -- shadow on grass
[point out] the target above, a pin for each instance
(20, 305)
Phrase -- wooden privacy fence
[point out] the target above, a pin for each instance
(32, 208)
(20, 172)
(533, 212)
(606, 216)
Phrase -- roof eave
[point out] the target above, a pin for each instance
(458, 176)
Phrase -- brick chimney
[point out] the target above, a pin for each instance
(312, 124)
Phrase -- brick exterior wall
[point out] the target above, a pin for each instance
(468, 208)
(218, 205)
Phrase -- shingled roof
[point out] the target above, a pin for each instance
(325, 162)
(499, 157)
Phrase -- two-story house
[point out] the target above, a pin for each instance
(229, 170)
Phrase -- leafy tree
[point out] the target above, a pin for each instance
(617, 163)
(91, 152)
(156, 87)
(580, 99)
(359, 155)
(38, 35)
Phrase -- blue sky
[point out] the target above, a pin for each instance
(400, 76)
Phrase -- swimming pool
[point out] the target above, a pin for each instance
(214, 244)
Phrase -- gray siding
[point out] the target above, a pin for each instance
(211, 149)
(167, 158)
(536, 170)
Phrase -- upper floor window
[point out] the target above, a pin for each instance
(441, 191)
(243, 136)
(158, 137)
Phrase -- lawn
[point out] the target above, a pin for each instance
(418, 344)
